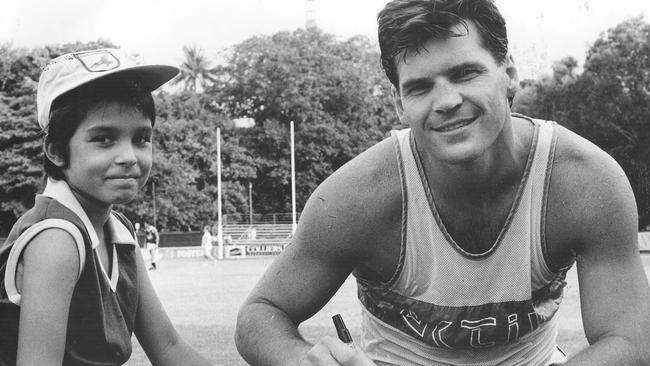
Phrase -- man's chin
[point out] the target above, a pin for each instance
(460, 154)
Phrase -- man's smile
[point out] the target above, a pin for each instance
(454, 124)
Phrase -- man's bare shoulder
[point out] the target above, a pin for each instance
(368, 181)
(587, 189)
(581, 166)
(356, 209)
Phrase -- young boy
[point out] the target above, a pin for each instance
(74, 287)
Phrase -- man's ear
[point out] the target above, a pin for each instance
(512, 75)
(53, 154)
(397, 102)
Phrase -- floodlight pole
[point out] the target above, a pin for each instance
(153, 194)
(250, 203)
(219, 224)
(293, 182)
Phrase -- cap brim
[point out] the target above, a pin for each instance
(151, 76)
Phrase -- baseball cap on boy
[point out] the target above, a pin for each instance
(72, 70)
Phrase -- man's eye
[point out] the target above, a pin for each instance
(467, 73)
(417, 89)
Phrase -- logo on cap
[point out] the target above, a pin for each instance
(98, 60)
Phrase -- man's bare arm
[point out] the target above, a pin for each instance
(331, 241)
(600, 212)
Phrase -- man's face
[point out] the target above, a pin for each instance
(453, 95)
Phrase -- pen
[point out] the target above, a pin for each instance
(342, 330)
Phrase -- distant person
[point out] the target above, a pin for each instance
(137, 228)
(74, 285)
(152, 240)
(206, 244)
(252, 233)
(459, 229)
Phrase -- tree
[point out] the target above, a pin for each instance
(608, 103)
(196, 73)
(20, 136)
(184, 172)
(617, 80)
(185, 166)
(333, 91)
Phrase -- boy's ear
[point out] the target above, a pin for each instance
(397, 102)
(53, 154)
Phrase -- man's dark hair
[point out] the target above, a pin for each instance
(71, 108)
(406, 25)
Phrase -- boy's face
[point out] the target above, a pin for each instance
(453, 95)
(110, 155)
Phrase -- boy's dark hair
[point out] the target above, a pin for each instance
(71, 108)
(406, 25)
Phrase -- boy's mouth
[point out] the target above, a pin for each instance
(123, 177)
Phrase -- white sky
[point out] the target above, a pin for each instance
(540, 32)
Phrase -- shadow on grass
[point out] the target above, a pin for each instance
(214, 343)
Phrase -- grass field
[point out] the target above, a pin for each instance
(202, 300)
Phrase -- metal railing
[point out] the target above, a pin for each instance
(275, 218)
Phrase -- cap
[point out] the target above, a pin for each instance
(73, 70)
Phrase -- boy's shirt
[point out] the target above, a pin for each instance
(103, 307)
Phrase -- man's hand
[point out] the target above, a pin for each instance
(331, 351)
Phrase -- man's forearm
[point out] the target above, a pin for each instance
(267, 336)
(611, 350)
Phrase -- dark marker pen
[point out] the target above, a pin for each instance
(342, 330)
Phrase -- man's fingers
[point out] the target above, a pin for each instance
(330, 351)
(346, 355)
(319, 355)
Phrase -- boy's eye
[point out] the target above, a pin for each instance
(102, 139)
(142, 139)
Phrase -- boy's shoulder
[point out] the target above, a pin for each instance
(44, 208)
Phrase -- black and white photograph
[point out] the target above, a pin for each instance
(325, 182)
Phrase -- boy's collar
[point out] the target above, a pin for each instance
(60, 191)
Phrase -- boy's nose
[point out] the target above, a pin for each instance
(126, 155)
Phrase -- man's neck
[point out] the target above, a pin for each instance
(501, 165)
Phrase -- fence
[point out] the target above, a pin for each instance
(233, 234)
(268, 234)
(244, 219)
(240, 241)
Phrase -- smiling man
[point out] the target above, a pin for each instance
(460, 228)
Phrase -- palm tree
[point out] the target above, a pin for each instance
(196, 72)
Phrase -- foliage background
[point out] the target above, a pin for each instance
(339, 100)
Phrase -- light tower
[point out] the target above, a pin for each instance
(310, 17)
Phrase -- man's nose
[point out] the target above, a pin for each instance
(446, 97)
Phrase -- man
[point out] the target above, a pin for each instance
(152, 240)
(459, 230)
